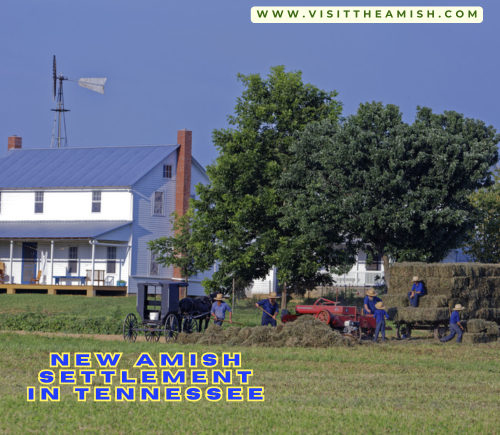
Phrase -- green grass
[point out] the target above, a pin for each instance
(416, 388)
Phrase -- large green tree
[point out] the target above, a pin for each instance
(400, 189)
(239, 211)
(483, 244)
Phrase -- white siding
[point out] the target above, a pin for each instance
(70, 204)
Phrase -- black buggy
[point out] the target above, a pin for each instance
(161, 311)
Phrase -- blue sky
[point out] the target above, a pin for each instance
(173, 65)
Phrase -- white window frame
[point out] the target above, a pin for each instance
(151, 259)
(39, 193)
(95, 201)
(153, 202)
(166, 171)
(73, 260)
(111, 250)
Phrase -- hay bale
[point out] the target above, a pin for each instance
(492, 314)
(392, 300)
(306, 331)
(411, 314)
(433, 302)
(481, 325)
(479, 337)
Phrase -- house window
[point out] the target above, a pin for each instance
(158, 207)
(38, 202)
(376, 263)
(167, 171)
(154, 268)
(72, 259)
(111, 262)
(96, 201)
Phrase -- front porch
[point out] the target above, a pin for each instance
(82, 290)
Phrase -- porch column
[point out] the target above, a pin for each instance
(51, 281)
(93, 262)
(11, 278)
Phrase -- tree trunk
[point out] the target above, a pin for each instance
(283, 297)
(387, 273)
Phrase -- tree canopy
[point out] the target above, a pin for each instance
(238, 213)
(401, 189)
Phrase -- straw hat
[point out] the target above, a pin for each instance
(458, 307)
(379, 306)
(371, 292)
(273, 295)
(415, 278)
(219, 297)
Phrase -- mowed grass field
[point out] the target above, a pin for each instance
(415, 387)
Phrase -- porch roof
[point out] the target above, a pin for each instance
(58, 229)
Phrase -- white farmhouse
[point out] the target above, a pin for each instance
(83, 216)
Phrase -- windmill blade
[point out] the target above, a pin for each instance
(94, 84)
(54, 78)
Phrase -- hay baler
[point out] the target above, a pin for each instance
(348, 320)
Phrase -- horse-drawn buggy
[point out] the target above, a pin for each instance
(161, 312)
(348, 320)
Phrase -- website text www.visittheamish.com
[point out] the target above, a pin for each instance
(362, 14)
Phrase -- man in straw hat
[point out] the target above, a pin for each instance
(455, 326)
(269, 309)
(417, 291)
(380, 316)
(219, 308)
(370, 300)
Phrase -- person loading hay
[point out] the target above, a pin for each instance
(380, 316)
(219, 308)
(455, 326)
(370, 300)
(417, 291)
(269, 309)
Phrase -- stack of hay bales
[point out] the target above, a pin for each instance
(473, 285)
(480, 331)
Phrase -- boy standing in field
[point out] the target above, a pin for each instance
(380, 316)
(219, 309)
(455, 326)
(269, 309)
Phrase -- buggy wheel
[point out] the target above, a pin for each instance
(171, 328)
(404, 331)
(189, 325)
(440, 331)
(130, 328)
(152, 336)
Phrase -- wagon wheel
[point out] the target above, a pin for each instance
(171, 328)
(189, 325)
(324, 317)
(404, 329)
(130, 328)
(440, 331)
(153, 335)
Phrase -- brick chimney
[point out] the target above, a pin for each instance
(183, 179)
(15, 142)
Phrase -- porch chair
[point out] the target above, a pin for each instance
(37, 279)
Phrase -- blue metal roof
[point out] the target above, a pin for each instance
(58, 229)
(79, 167)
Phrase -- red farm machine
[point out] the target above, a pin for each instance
(348, 320)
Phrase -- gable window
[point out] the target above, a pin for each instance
(72, 259)
(167, 171)
(376, 263)
(159, 206)
(38, 202)
(96, 201)
(154, 268)
(111, 262)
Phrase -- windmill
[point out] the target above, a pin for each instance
(94, 84)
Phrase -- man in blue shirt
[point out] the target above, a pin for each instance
(455, 326)
(417, 291)
(380, 316)
(270, 308)
(370, 300)
(219, 308)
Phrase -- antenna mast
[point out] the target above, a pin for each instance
(94, 84)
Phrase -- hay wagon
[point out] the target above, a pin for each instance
(347, 320)
(166, 315)
(439, 329)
